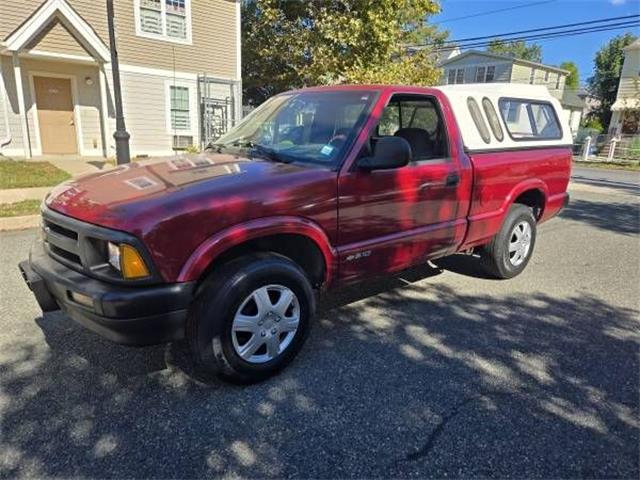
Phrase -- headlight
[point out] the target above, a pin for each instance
(127, 261)
(114, 256)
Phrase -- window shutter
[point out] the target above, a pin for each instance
(151, 16)
(176, 26)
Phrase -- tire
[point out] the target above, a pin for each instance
(496, 258)
(223, 319)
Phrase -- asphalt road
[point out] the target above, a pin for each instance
(434, 373)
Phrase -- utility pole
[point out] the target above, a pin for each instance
(120, 135)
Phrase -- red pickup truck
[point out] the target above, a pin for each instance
(314, 189)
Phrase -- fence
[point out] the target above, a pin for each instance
(611, 148)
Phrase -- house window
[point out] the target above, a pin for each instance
(491, 73)
(451, 79)
(164, 19)
(460, 75)
(558, 82)
(179, 108)
(532, 77)
(546, 76)
(480, 72)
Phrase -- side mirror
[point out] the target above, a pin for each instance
(388, 152)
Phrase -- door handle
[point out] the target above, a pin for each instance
(452, 180)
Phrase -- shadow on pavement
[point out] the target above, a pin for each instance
(413, 381)
(615, 217)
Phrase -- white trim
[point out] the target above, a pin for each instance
(4, 100)
(163, 15)
(156, 72)
(193, 102)
(61, 10)
(44, 55)
(128, 68)
(238, 41)
(22, 110)
(104, 110)
(33, 110)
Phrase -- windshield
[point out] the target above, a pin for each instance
(309, 127)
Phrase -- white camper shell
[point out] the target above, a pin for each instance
(501, 116)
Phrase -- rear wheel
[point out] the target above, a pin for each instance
(509, 252)
(250, 318)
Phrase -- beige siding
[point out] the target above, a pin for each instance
(520, 73)
(213, 49)
(57, 39)
(145, 103)
(630, 77)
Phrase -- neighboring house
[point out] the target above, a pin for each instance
(56, 88)
(475, 66)
(626, 108)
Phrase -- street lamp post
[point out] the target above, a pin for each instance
(121, 135)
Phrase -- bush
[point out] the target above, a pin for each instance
(593, 123)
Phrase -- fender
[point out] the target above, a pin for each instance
(217, 244)
(520, 188)
(485, 225)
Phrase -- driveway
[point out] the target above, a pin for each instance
(433, 373)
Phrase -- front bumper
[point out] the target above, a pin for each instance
(130, 315)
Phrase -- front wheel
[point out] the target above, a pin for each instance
(250, 318)
(510, 250)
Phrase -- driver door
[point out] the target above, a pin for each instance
(392, 219)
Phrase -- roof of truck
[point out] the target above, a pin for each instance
(458, 96)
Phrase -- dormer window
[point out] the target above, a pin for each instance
(164, 19)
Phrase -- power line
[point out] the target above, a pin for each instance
(532, 30)
(548, 35)
(489, 12)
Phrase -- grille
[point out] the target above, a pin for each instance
(62, 242)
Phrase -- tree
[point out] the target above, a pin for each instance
(517, 49)
(290, 44)
(573, 80)
(603, 85)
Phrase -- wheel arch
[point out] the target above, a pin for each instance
(532, 192)
(299, 239)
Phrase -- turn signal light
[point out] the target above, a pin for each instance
(131, 262)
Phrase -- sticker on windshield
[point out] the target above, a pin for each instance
(326, 150)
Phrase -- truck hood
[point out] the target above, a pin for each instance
(117, 197)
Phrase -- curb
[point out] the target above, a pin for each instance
(19, 223)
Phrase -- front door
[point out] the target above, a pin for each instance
(55, 115)
(391, 219)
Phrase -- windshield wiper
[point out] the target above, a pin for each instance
(263, 151)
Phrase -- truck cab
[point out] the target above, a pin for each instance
(316, 188)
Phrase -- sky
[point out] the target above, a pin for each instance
(579, 49)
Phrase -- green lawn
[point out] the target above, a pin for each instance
(25, 207)
(21, 174)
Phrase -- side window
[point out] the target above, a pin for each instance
(417, 119)
(476, 115)
(530, 119)
(492, 116)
